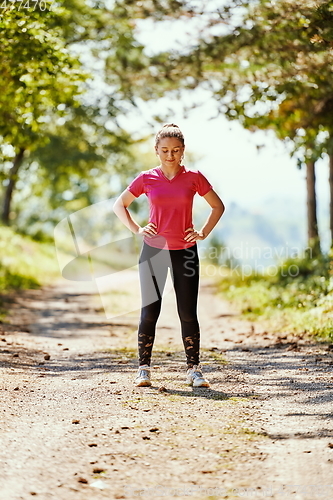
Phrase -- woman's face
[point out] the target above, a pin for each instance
(170, 151)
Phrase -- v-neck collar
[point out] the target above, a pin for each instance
(160, 171)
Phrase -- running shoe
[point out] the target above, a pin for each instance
(143, 376)
(195, 377)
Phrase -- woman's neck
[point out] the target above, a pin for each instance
(170, 172)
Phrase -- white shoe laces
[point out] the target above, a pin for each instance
(196, 372)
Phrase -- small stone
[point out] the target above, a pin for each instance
(75, 421)
(16, 389)
(162, 389)
(15, 355)
(154, 429)
(98, 470)
(82, 480)
(47, 356)
(92, 445)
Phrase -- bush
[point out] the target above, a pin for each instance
(298, 301)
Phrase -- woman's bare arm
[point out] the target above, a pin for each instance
(216, 213)
(120, 209)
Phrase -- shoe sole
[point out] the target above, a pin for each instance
(144, 383)
(203, 384)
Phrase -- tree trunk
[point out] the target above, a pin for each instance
(11, 185)
(313, 235)
(331, 194)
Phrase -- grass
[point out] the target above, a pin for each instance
(209, 354)
(25, 263)
(296, 296)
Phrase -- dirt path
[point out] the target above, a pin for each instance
(74, 427)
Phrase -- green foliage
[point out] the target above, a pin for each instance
(25, 263)
(297, 295)
(270, 67)
(68, 72)
(217, 253)
(37, 73)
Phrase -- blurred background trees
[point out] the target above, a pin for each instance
(69, 69)
(70, 73)
(270, 67)
(72, 70)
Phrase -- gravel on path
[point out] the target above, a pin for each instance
(73, 426)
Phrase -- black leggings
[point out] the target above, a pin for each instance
(153, 269)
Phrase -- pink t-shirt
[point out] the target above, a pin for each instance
(170, 204)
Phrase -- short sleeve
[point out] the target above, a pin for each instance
(136, 187)
(203, 185)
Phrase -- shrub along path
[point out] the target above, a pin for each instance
(74, 427)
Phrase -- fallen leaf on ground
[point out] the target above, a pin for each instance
(82, 480)
(98, 470)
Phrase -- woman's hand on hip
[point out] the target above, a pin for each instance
(193, 235)
(148, 230)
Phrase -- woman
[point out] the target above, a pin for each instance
(169, 242)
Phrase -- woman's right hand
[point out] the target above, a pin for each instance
(148, 230)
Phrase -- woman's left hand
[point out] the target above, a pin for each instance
(193, 235)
